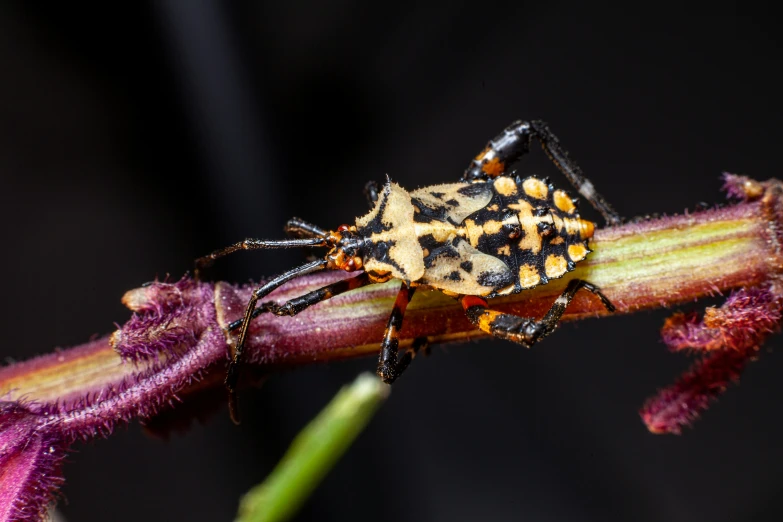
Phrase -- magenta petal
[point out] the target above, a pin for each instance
(30, 460)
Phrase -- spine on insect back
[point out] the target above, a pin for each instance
(174, 347)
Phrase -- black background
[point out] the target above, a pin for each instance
(134, 140)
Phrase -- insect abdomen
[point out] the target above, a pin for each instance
(533, 228)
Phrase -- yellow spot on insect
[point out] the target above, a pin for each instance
(523, 207)
(474, 232)
(440, 231)
(555, 266)
(494, 207)
(528, 276)
(531, 241)
(563, 202)
(425, 252)
(379, 277)
(535, 188)
(493, 167)
(505, 251)
(578, 227)
(557, 241)
(577, 252)
(505, 186)
(492, 227)
(532, 238)
(486, 320)
(586, 229)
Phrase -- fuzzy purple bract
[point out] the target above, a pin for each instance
(728, 337)
(172, 339)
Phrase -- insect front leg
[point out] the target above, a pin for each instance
(235, 366)
(525, 330)
(390, 367)
(301, 303)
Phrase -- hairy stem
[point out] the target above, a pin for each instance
(642, 265)
(175, 346)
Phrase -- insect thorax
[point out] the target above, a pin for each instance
(482, 238)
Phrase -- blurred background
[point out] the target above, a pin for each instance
(135, 139)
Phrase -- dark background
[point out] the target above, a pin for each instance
(134, 140)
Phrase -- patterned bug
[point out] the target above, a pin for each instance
(492, 233)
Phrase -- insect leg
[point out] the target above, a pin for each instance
(299, 228)
(423, 344)
(500, 153)
(256, 244)
(371, 191)
(298, 304)
(525, 330)
(234, 367)
(389, 365)
(511, 144)
(567, 166)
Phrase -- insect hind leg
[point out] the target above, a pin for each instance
(509, 146)
(571, 170)
(500, 153)
(525, 330)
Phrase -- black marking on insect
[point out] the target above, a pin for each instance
(454, 276)
(492, 233)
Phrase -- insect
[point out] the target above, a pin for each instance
(492, 233)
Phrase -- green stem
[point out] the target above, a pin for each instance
(314, 451)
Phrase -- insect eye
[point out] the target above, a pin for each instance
(342, 228)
